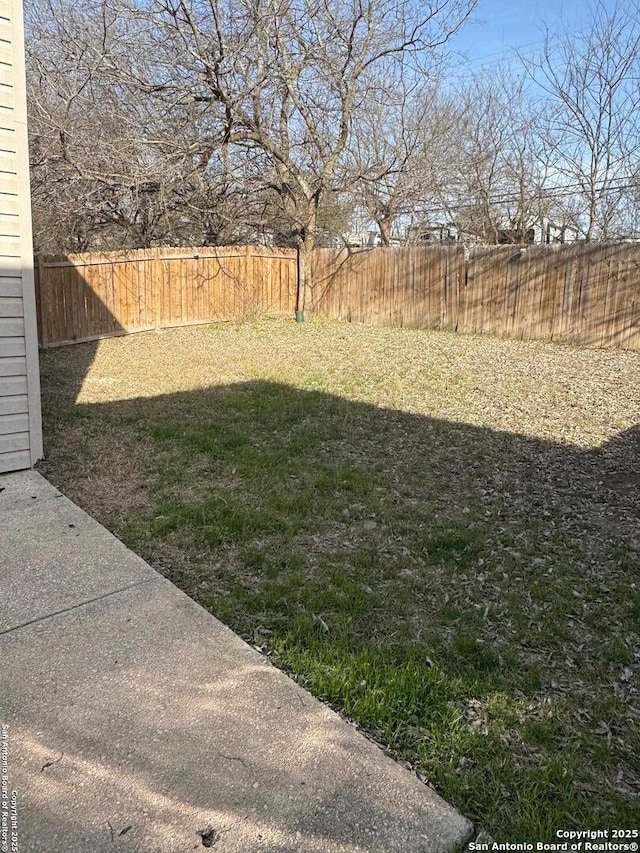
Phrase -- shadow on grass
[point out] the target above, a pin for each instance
(470, 597)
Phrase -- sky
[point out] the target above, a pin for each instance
(500, 27)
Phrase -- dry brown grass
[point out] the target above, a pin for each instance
(567, 395)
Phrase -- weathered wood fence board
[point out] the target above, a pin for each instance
(90, 296)
(586, 295)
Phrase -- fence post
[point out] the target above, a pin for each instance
(248, 294)
(299, 288)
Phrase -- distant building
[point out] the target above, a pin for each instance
(542, 232)
(536, 233)
(546, 232)
(433, 232)
(360, 239)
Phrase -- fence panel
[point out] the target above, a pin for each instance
(95, 295)
(409, 286)
(585, 295)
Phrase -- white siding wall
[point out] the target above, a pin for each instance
(20, 428)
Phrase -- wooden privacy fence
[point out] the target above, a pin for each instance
(87, 296)
(585, 295)
(409, 286)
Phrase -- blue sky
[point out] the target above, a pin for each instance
(501, 26)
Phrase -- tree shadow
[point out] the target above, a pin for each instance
(582, 295)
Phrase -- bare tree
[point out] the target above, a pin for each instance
(398, 154)
(592, 84)
(109, 168)
(495, 173)
(289, 78)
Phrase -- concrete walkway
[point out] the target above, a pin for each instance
(138, 722)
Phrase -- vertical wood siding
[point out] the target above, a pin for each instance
(584, 295)
(89, 296)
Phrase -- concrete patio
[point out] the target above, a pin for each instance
(137, 721)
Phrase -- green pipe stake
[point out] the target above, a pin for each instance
(299, 316)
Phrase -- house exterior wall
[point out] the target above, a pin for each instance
(20, 424)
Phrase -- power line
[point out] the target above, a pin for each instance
(564, 191)
(529, 48)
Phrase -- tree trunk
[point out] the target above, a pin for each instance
(384, 226)
(306, 245)
(592, 220)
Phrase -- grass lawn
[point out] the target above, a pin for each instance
(437, 534)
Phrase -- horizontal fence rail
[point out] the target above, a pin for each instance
(585, 295)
